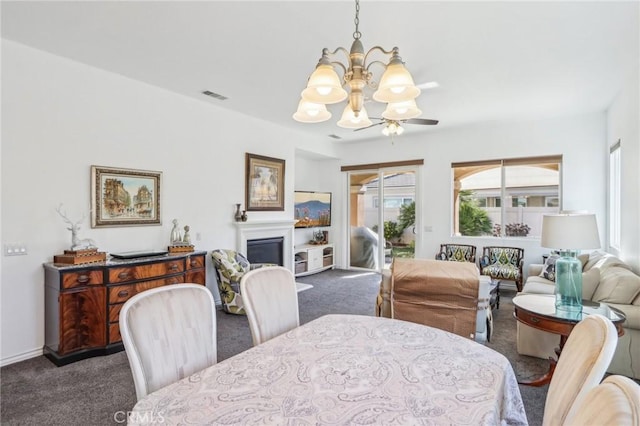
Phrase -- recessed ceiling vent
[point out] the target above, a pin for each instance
(335, 136)
(215, 95)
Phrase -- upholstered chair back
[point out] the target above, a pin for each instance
(503, 263)
(271, 302)
(581, 366)
(168, 333)
(615, 401)
(457, 252)
(230, 266)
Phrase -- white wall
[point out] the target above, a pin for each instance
(59, 117)
(623, 124)
(580, 139)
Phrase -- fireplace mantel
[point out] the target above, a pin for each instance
(267, 229)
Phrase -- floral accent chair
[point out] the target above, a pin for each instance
(457, 253)
(504, 263)
(230, 267)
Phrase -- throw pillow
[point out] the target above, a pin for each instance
(590, 281)
(549, 268)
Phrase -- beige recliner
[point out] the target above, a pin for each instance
(425, 304)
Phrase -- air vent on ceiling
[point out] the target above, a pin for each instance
(215, 95)
(334, 136)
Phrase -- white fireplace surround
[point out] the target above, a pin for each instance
(267, 229)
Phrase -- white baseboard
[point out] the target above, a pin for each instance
(21, 357)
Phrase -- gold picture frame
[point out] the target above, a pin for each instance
(124, 197)
(264, 177)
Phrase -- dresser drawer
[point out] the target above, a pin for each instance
(195, 262)
(132, 273)
(79, 279)
(122, 293)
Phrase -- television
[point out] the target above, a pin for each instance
(312, 209)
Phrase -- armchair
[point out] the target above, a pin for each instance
(457, 252)
(503, 263)
(230, 267)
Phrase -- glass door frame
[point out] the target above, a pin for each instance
(382, 172)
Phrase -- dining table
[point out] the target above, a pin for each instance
(346, 369)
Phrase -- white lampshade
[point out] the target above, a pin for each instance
(401, 110)
(324, 86)
(350, 121)
(570, 231)
(396, 85)
(309, 112)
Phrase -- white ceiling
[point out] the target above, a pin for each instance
(493, 60)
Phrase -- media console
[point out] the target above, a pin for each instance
(312, 258)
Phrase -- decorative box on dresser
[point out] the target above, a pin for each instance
(83, 302)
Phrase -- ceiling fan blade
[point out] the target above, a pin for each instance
(423, 121)
(374, 124)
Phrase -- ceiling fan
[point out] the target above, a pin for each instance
(393, 127)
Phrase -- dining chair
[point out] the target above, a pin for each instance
(584, 361)
(168, 333)
(615, 402)
(271, 302)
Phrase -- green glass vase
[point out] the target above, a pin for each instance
(569, 285)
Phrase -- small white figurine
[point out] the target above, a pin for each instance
(77, 243)
(187, 238)
(175, 233)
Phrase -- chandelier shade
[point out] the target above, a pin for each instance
(309, 112)
(393, 128)
(396, 84)
(349, 120)
(401, 110)
(325, 86)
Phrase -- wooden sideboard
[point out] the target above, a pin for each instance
(83, 302)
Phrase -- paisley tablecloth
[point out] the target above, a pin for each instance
(347, 369)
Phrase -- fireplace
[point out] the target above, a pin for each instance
(265, 250)
(266, 230)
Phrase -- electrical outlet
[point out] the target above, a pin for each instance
(16, 249)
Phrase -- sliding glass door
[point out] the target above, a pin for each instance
(382, 211)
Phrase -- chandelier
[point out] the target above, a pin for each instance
(396, 87)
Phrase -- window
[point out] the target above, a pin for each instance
(614, 196)
(514, 192)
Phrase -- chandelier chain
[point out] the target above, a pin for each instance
(357, 34)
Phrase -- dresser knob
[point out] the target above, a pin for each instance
(83, 279)
(173, 267)
(123, 293)
(123, 275)
(535, 320)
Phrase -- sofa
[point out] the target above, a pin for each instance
(605, 278)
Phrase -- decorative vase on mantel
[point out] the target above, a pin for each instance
(244, 217)
(238, 215)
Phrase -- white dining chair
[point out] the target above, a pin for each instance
(584, 361)
(614, 402)
(271, 302)
(168, 333)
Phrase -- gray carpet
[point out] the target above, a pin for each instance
(98, 391)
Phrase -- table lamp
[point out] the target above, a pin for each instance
(569, 232)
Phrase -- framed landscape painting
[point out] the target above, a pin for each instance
(264, 183)
(124, 197)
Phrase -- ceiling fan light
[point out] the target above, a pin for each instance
(350, 121)
(309, 112)
(396, 84)
(399, 130)
(324, 86)
(401, 110)
(385, 131)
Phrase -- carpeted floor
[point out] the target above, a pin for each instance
(99, 391)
